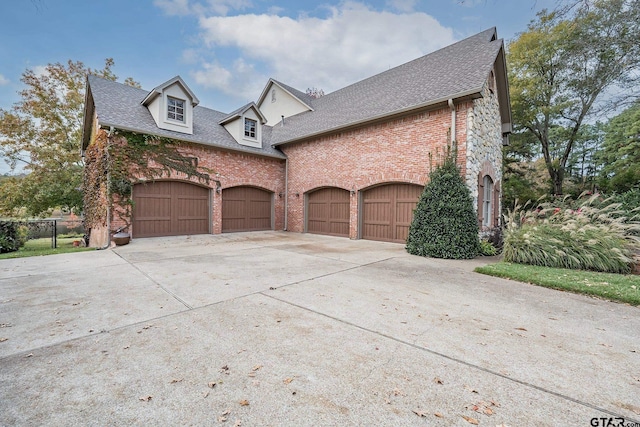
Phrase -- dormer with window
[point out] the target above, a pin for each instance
(245, 125)
(171, 105)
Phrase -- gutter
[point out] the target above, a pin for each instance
(108, 244)
(286, 194)
(386, 116)
(190, 141)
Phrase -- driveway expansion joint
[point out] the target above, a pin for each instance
(176, 297)
(459, 361)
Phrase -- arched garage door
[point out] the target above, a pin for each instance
(328, 212)
(246, 209)
(170, 208)
(387, 211)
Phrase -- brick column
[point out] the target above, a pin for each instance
(216, 211)
(353, 215)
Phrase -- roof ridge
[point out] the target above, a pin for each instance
(404, 64)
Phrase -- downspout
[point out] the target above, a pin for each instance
(111, 130)
(453, 123)
(286, 192)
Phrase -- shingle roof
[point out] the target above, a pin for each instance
(453, 71)
(118, 105)
(458, 70)
(307, 99)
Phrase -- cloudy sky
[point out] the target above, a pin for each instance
(227, 49)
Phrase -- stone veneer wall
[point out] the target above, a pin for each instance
(484, 141)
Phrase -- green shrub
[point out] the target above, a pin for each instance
(12, 236)
(597, 238)
(444, 222)
(487, 249)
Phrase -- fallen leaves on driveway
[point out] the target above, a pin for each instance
(211, 384)
(470, 389)
(225, 369)
(287, 380)
(224, 416)
(520, 329)
(419, 413)
(175, 380)
(146, 398)
(244, 402)
(4, 339)
(484, 407)
(437, 380)
(471, 420)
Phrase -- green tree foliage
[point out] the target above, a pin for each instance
(42, 131)
(445, 224)
(620, 154)
(522, 179)
(569, 67)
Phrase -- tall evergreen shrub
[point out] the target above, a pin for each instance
(445, 224)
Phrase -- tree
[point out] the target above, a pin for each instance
(445, 224)
(568, 68)
(620, 155)
(43, 131)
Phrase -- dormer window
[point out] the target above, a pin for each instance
(250, 127)
(175, 109)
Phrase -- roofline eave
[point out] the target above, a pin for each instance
(220, 147)
(387, 116)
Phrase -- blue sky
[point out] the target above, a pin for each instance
(227, 49)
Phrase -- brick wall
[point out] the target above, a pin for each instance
(394, 151)
(230, 169)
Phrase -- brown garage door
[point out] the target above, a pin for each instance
(246, 209)
(170, 208)
(388, 211)
(328, 212)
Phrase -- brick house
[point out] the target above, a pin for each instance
(351, 163)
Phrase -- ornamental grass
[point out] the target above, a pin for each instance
(596, 236)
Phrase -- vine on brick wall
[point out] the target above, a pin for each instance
(114, 164)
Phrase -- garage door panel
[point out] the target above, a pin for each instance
(328, 212)
(246, 209)
(170, 208)
(387, 211)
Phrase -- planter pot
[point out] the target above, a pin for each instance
(121, 239)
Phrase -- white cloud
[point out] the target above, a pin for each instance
(351, 43)
(212, 76)
(39, 70)
(3, 80)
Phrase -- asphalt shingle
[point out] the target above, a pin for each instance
(457, 69)
(118, 105)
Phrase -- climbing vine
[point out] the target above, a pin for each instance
(114, 162)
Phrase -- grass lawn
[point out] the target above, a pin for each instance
(615, 287)
(38, 247)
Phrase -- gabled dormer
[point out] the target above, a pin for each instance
(171, 105)
(245, 125)
(278, 99)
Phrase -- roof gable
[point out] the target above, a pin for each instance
(156, 91)
(241, 111)
(299, 96)
(454, 72)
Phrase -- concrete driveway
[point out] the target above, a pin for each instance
(276, 328)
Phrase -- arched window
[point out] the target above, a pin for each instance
(487, 201)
